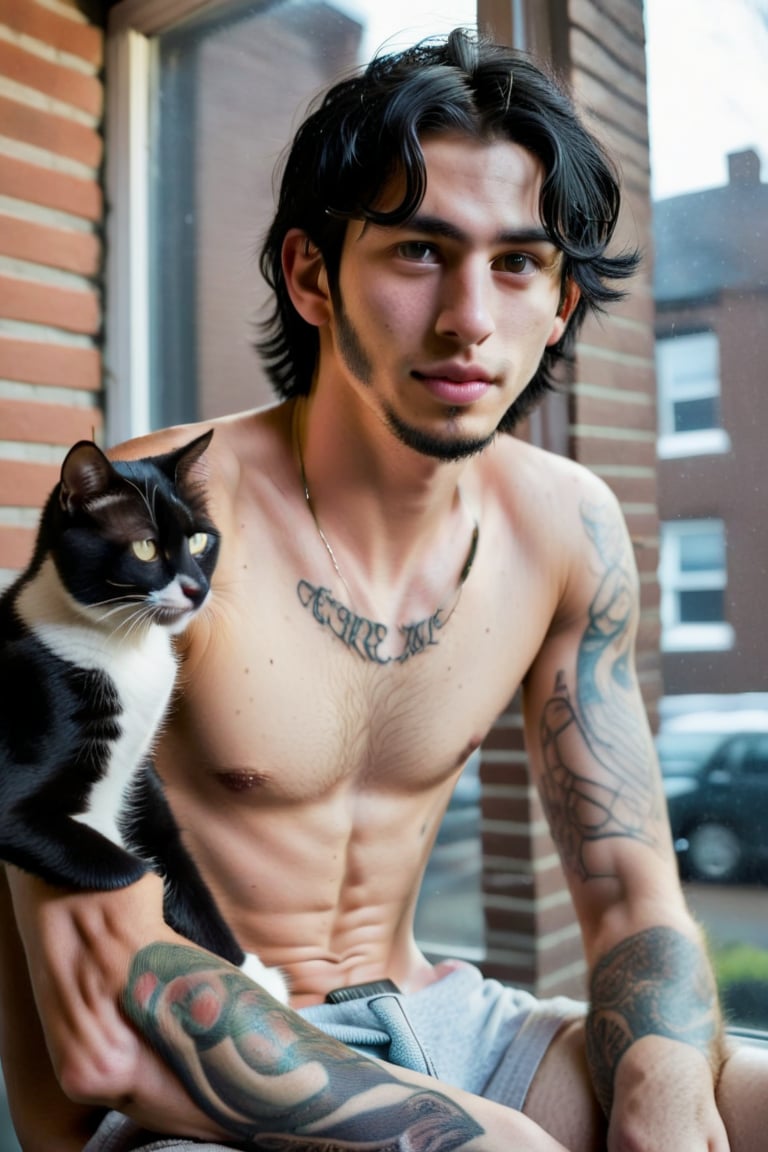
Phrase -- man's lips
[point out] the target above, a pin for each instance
(456, 386)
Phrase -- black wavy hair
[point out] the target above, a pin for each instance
(369, 127)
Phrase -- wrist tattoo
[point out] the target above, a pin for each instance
(657, 983)
(263, 1073)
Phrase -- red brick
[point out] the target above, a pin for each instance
(26, 485)
(602, 450)
(53, 364)
(519, 975)
(45, 304)
(613, 413)
(15, 546)
(605, 372)
(54, 80)
(46, 130)
(508, 739)
(55, 247)
(516, 774)
(516, 808)
(40, 423)
(60, 32)
(629, 489)
(58, 190)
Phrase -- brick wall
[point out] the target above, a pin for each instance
(51, 98)
(613, 412)
(608, 422)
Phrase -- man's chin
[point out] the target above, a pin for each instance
(446, 447)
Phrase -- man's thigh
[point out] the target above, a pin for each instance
(742, 1097)
(561, 1099)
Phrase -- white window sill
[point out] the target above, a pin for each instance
(707, 442)
(698, 638)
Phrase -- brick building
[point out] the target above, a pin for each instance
(711, 287)
(78, 337)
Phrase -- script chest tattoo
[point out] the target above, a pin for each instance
(365, 637)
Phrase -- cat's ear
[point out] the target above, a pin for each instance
(181, 463)
(85, 475)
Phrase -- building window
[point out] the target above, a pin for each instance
(693, 579)
(688, 371)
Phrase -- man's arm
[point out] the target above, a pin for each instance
(185, 1044)
(42, 1114)
(654, 1023)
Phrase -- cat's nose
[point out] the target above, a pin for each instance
(192, 589)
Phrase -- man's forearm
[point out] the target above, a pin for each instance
(656, 983)
(260, 1070)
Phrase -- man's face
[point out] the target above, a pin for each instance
(439, 324)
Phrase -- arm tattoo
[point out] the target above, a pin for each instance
(612, 793)
(657, 983)
(261, 1072)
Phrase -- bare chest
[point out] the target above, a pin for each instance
(294, 696)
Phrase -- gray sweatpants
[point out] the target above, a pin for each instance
(472, 1033)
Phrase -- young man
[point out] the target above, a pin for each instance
(393, 567)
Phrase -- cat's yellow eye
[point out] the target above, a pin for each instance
(198, 543)
(144, 550)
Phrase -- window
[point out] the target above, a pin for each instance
(203, 99)
(693, 580)
(688, 375)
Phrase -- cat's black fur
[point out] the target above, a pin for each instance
(123, 560)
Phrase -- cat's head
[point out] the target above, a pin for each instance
(132, 540)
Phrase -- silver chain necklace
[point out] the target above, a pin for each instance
(463, 575)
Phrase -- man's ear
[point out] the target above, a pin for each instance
(570, 298)
(306, 278)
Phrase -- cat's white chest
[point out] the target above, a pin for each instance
(141, 666)
(144, 678)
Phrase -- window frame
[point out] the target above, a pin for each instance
(703, 441)
(127, 349)
(676, 635)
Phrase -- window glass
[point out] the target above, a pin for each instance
(229, 87)
(703, 551)
(688, 375)
(710, 216)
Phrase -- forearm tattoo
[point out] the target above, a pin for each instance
(595, 724)
(261, 1072)
(657, 983)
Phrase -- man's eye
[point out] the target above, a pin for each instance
(518, 262)
(418, 251)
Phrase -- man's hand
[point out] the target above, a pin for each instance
(654, 1044)
(664, 1101)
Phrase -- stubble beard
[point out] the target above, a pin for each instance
(445, 448)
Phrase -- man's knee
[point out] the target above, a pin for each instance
(561, 1098)
(742, 1096)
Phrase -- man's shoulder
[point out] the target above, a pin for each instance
(540, 477)
(238, 440)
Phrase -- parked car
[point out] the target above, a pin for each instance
(715, 771)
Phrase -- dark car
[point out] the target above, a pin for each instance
(716, 784)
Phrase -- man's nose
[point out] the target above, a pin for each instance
(465, 306)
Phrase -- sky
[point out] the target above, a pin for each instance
(707, 76)
(707, 89)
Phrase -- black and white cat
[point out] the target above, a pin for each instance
(123, 561)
